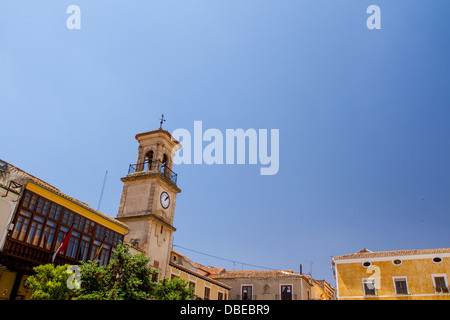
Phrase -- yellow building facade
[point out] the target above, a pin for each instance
(393, 275)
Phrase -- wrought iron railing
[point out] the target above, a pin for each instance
(155, 165)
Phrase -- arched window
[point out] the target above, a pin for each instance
(164, 163)
(148, 162)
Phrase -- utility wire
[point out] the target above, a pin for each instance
(234, 261)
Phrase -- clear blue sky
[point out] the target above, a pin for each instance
(364, 116)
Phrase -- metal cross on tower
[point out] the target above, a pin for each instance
(162, 120)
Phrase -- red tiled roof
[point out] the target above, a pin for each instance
(259, 274)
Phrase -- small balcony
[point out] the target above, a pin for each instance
(20, 250)
(153, 166)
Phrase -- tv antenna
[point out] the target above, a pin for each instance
(101, 193)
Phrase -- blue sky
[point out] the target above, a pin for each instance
(363, 117)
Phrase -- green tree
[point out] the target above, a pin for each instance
(175, 289)
(49, 283)
(127, 277)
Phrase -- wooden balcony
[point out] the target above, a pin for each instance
(22, 251)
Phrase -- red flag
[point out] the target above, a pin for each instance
(64, 243)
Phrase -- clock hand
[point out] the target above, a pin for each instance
(166, 198)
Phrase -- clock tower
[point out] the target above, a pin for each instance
(148, 199)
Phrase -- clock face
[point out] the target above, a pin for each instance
(165, 200)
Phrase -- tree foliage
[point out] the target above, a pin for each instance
(175, 289)
(125, 277)
(49, 283)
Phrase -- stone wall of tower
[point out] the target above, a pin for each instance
(151, 225)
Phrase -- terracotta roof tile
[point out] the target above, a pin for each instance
(258, 274)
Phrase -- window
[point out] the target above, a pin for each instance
(94, 248)
(115, 239)
(437, 260)
(84, 248)
(58, 213)
(26, 199)
(369, 287)
(219, 296)
(164, 164)
(40, 205)
(401, 286)
(22, 224)
(49, 234)
(247, 292)
(33, 201)
(286, 292)
(73, 247)
(206, 296)
(192, 286)
(53, 208)
(35, 230)
(44, 224)
(62, 233)
(47, 207)
(397, 262)
(89, 227)
(104, 254)
(148, 162)
(440, 283)
(367, 264)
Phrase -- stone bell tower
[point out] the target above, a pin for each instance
(148, 199)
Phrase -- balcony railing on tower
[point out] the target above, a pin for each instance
(155, 165)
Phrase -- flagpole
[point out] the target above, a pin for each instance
(64, 243)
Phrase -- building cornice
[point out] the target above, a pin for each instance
(391, 258)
